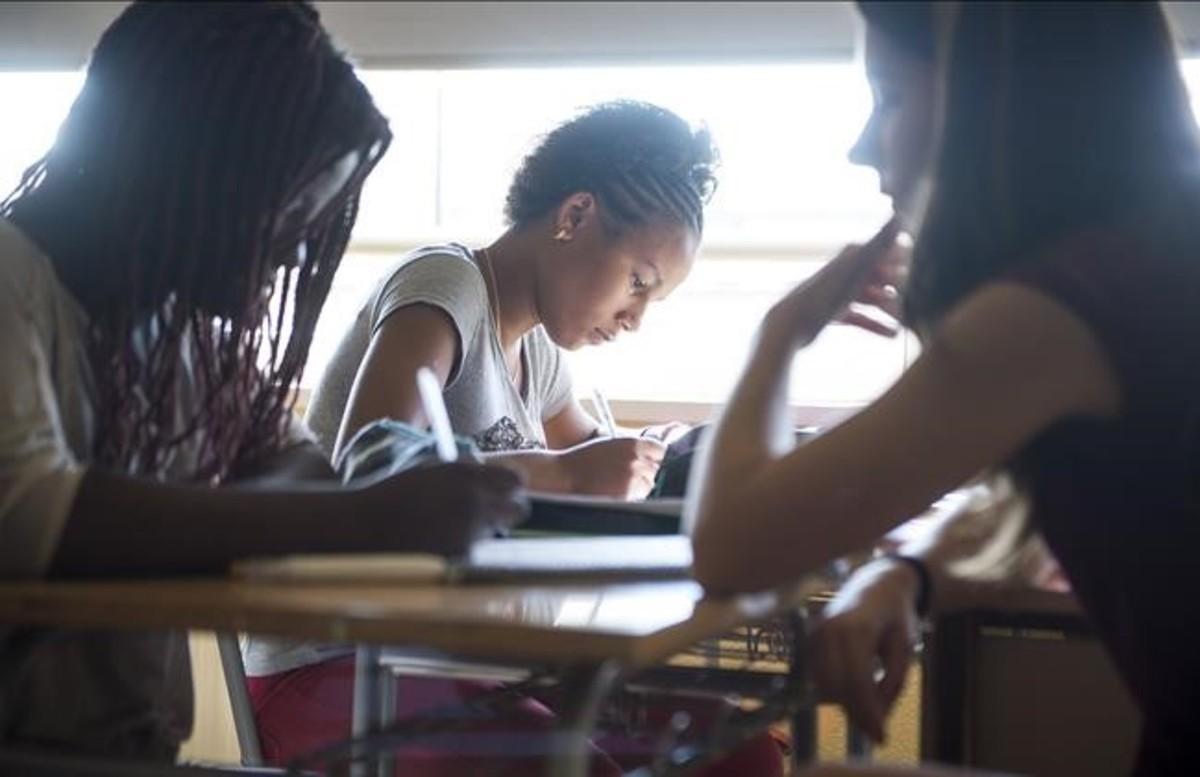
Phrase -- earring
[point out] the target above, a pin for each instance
(561, 235)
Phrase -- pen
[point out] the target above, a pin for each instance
(435, 411)
(605, 412)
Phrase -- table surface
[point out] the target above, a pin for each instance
(637, 623)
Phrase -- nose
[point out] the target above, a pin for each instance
(631, 319)
(865, 151)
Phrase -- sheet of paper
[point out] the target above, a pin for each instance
(612, 555)
(345, 567)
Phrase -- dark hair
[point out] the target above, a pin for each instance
(642, 163)
(909, 24)
(158, 205)
(1058, 118)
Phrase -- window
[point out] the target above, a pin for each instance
(36, 104)
(787, 199)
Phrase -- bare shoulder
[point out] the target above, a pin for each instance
(416, 327)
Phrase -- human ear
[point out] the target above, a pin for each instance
(574, 212)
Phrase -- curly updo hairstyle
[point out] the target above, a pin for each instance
(643, 163)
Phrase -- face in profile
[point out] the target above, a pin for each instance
(599, 284)
(898, 138)
(309, 202)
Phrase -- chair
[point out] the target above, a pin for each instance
(234, 672)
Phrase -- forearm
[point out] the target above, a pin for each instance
(753, 428)
(539, 470)
(122, 526)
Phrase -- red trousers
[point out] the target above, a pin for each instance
(304, 709)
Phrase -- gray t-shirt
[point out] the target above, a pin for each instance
(480, 397)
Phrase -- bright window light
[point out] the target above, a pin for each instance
(783, 132)
(37, 104)
(787, 199)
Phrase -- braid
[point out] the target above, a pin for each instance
(641, 161)
(195, 126)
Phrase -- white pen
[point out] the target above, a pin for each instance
(605, 412)
(435, 412)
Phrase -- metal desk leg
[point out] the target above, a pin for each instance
(584, 690)
(858, 744)
(365, 719)
(387, 716)
(804, 721)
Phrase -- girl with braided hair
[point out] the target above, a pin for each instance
(605, 216)
(161, 271)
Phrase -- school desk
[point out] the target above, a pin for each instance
(1021, 684)
(590, 635)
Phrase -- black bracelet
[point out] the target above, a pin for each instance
(924, 581)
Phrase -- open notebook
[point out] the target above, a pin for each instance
(620, 557)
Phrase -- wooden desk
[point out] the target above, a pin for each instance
(591, 632)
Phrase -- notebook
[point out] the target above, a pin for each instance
(591, 515)
(616, 557)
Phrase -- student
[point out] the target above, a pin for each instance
(210, 165)
(605, 216)
(1054, 283)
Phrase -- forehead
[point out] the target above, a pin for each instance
(670, 248)
(884, 59)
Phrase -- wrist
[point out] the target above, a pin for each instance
(781, 328)
(918, 580)
(540, 470)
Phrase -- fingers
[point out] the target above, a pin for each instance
(842, 672)
(508, 509)
(499, 501)
(892, 268)
(886, 298)
(499, 478)
(860, 699)
(648, 449)
(641, 483)
(665, 433)
(880, 249)
(885, 237)
(895, 653)
(872, 325)
(631, 448)
(881, 254)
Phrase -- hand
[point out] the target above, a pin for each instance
(871, 622)
(442, 508)
(866, 275)
(665, 433)
(621, 467)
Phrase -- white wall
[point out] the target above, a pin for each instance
(59, 35)
(449, 34)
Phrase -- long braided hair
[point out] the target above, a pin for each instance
(159, 205)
